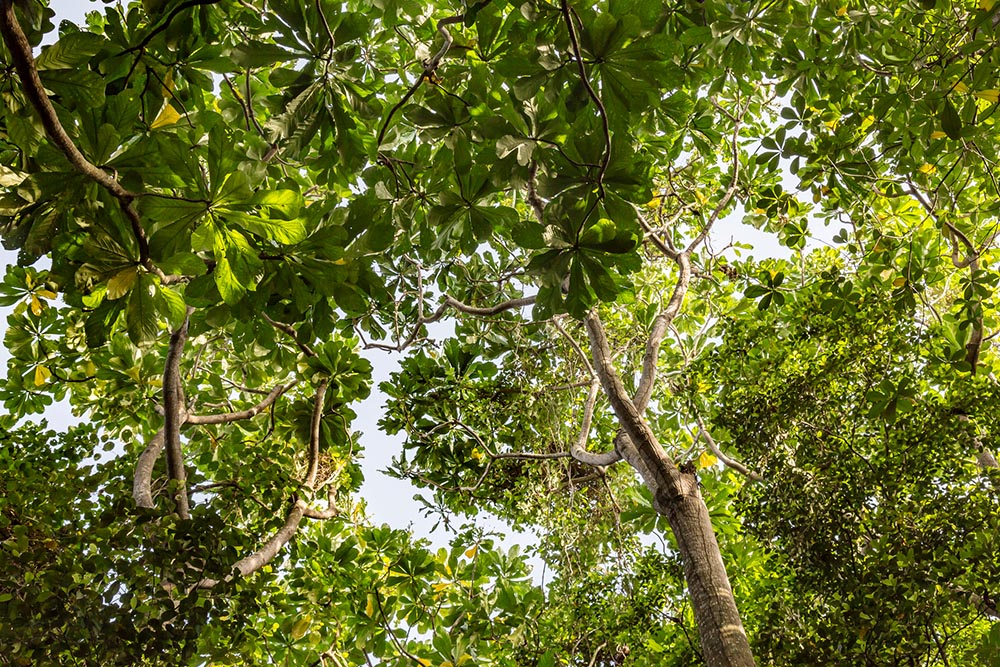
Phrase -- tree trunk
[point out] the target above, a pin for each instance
(723, 640)
(675, 495)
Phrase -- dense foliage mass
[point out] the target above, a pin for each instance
(222, 207)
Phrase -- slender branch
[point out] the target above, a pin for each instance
(430, 67)
(534, 201)
(228, 417)
(579, 448)
(489, 311)
(24, 63)
(602, 112)
(733, 184)
(728, 462)
(174, 414)
(289, 330)
(576, 347)
(314, 435)
(165, 23)
(971, 260)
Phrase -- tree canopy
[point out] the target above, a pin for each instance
(729, 456)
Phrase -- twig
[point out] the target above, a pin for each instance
(602, 112)
(289, 330)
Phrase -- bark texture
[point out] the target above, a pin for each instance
(675, 495)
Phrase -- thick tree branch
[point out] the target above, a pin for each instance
(174, 414)
(24, 63)
(652, 462)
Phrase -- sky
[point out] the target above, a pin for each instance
(389, 500)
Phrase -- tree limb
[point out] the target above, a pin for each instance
(309, 481)
(602, 112)
(228, 417)
(652, 462)
(728, 462)
(24, 63)
(174, 413)
(579, 448)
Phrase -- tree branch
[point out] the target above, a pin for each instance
(228, 417)
(579, 448)
(34, 90)
(652, 462)
(602, 112)
(314, 436)
(174, 413)
(728, 462)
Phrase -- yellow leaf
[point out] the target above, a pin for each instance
(707, 459)
(440, 586)
(842, 11)
(702, 199)
(938, 134)
(120, 283)
(471, 551)
(424, 661)
(447, 663)
(991, 95)
(986, 5)
(168, 116)
(960, 87)
(464, 658)
(654, 202)
(36, 305)
(370, 606)
(300, 627)
(41, 375)
(899, 282)
(926, 168)
(46, 294)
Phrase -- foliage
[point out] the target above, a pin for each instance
(221, 207)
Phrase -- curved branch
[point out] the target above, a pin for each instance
(579, 448)
(728, 462)
(24, 63)
(489, 311)
(314, 436)
(602, 112)
(228, 417)
(174, 414)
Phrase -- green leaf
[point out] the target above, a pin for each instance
(71, 51)
(140, 318)
(951, 123)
